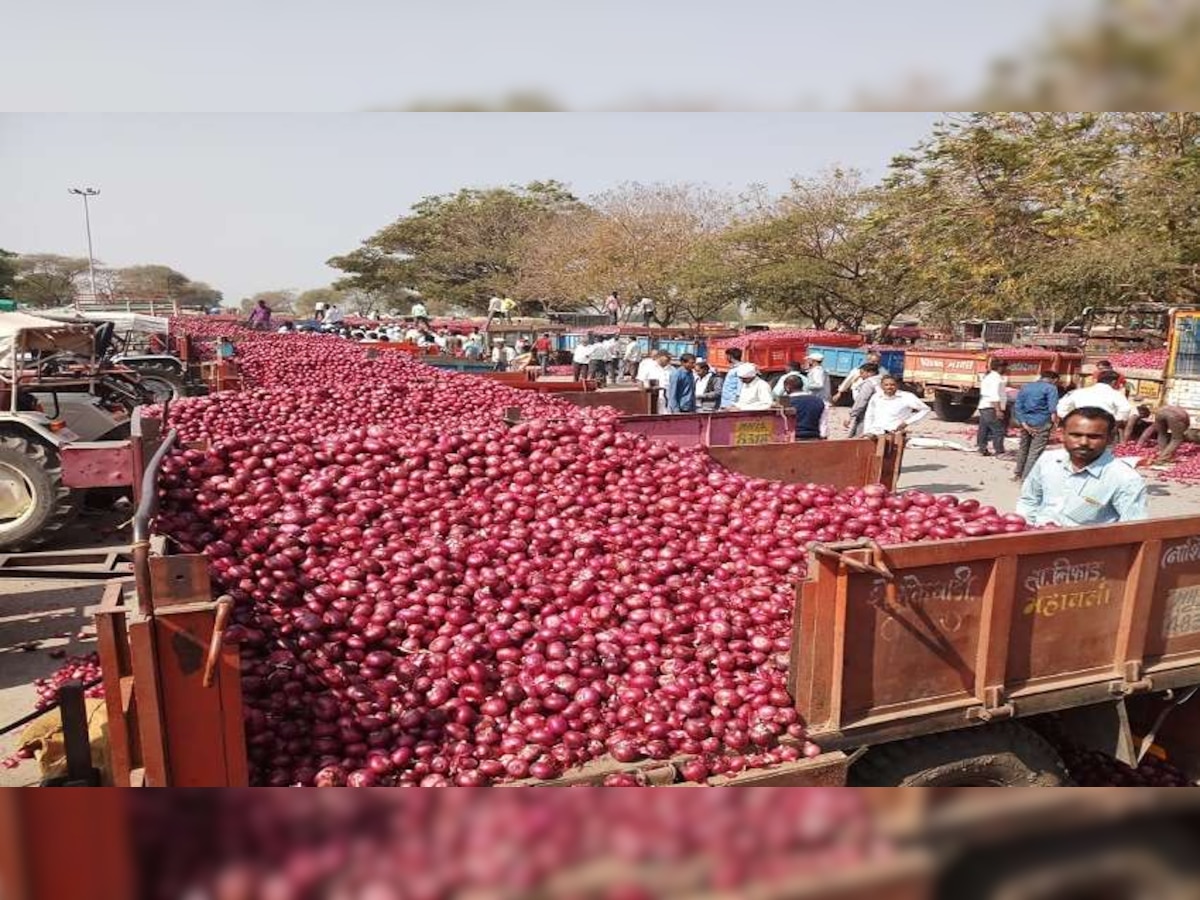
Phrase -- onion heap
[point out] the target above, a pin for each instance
(1140, 359)
(425, 596)
(1184, 467)
(589, 845)
(782, 336)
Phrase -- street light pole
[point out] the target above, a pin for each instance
(87, 221)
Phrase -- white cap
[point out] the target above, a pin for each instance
(746, 370)
(816, 357)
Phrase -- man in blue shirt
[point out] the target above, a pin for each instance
(681, 386)
(1083, 483)
(1032, 412)
(732, 385)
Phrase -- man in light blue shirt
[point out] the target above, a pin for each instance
(732, 385)
(1083, 483)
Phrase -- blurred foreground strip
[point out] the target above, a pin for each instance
(596, 844)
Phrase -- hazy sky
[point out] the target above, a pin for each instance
(257, 202)
(313, 55)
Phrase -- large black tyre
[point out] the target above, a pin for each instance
(34, 501)
(949, 408)
(1002, 755)
(161, 381)
(1150, 858)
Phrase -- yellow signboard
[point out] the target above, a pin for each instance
(756, 432)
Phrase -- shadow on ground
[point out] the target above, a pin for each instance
(34, 623)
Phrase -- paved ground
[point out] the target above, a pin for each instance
(38, 617)
(40, 622)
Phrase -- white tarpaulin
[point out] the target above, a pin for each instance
(124, 321)
(21, 333)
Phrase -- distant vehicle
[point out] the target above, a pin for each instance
(1135, 326)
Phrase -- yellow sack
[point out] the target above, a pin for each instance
(44, 736)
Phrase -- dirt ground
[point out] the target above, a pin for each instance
(38, 616)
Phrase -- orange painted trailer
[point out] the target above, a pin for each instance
(944, 648)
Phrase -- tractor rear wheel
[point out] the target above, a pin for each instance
(161, 381)
(34, 502)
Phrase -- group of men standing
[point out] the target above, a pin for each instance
(1041, 405)
(1083, 482)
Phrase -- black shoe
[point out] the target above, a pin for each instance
(985, 452)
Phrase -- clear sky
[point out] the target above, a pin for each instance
(258, 202)
(312, 55)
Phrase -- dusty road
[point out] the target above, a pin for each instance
(42, 621)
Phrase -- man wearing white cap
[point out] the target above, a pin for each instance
(817, 378)
(755, 394)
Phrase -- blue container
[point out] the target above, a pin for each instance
(841, 361)
(679, 346)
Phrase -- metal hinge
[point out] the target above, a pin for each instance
(993, 709)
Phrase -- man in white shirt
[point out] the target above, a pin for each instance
(817, 379)
(656, 368)
(794, 369)
(333, 315)
(581, 356)
(892, 410)
(1101, 395)
(598, 361)
(633, 356)
(646, 307)
(755, 394)
(993, 398)
(419, 311)
(495, 308)
(501, 355)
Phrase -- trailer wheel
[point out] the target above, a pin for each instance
(34, 503)
(951, 409)
(1001, 755)
(162, 382)
(1130, 861)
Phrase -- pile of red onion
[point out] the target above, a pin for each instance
(428, 596)
(1031, 353)
(1092, 768)
(1185, 467)
(1139, 359)
(589, 845)
(83, 669)
(783, 336)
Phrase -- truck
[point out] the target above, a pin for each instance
(1182, 386)
(772, 352)
(1134, 326)
(951, 377)
(841, 361)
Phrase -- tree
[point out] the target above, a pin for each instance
(658, 241)
(1047, 213)
(457, 250)
(46, 279)
(811, 255)
(8, 272)
(157, 281)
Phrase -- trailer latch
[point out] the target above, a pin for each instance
(993, 707)
(991, 713)
(877, 567)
